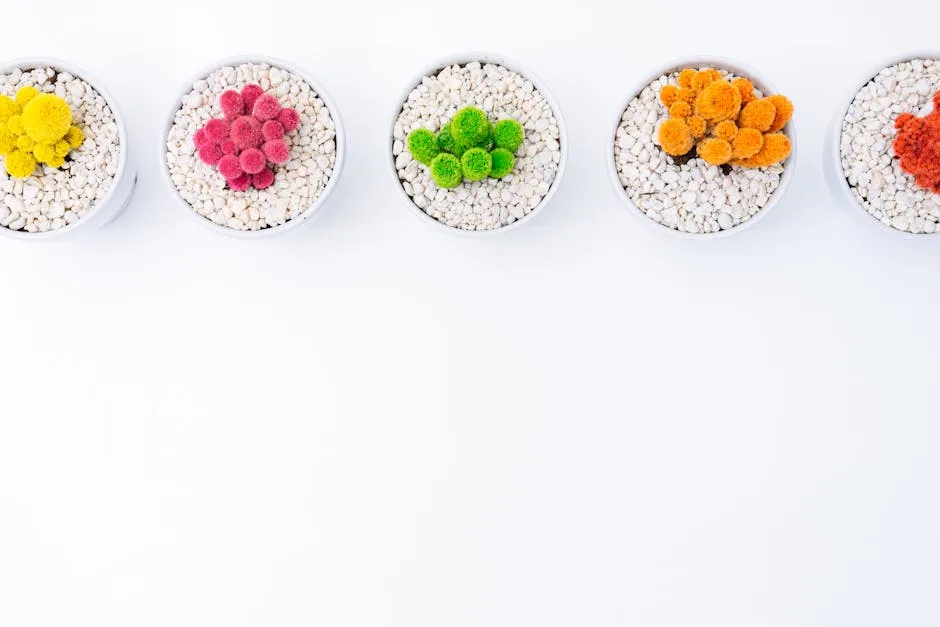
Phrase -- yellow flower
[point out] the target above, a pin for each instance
(47, 118)
(25, 94)
(7, 140)
(15, 124)
(62, 148)
(24, 143)
(44, 153)
(19, 164)
(8, 108)
(75, 137)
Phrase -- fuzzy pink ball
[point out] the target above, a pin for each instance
(216, 130)
(272, 129)
(241, 183)
(289, 119)
(263, 179)
(229, 167)
(252, 160)
(266, 107)
(232, 104)
(228, 147)
(276, 151)
(210, 154)
(250, 94)
(246, 132)
(199, 139)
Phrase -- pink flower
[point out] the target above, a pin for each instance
(263, 179)
(199, 139)
(210, 154)
(216, 130)
(229, 167)
(266, 107)
(250, 94)
(252, 160)
(246, 132)
(241, 183)
(232, 104)
(289, 119)
(276, 151)
(272, 129)
(228, 147)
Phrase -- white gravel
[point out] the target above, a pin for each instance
(55, 197)
(501, 93)
(297, 184)
(868, 160)
(695, 197)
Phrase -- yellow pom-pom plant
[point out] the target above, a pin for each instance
(36, 128)
(724, 121)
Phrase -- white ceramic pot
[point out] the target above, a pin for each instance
(125, 180)
(314, 209)
(484, 58)
(739, 69)
(832, 159)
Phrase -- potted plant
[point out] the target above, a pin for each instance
(882, 150)
(703, 147)
(477, 145)
(63, 151)
(252, 147)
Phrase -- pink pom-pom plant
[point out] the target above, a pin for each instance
(248, 142)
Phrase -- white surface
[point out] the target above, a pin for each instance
(367, 423)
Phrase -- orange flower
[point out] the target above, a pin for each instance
(747, 143)
(745, 88)
(759, 114)
(680, 109)
(719, 101)
(715, 151)
(784, 111)
(726, 130)
(675, 137)
(776, 148)
(698, 126)
(668, 95)
(685, 78)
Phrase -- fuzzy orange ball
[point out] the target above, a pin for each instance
(698, 126)
(715, 151)
(759, 114)
(726, 130)
(745, 88)
(675, 137)
(784, 111)
(685, 78)
(747, 143)
(680, 109)
(719, 101)
(668, 95)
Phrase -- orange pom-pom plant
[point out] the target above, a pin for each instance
(724, 121)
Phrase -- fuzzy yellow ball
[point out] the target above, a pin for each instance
(47, 118)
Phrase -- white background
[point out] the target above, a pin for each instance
(368, 423)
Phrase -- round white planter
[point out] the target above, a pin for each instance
(832, 159)
(125, 179)
(314, 210)
(739, 69)
(482, 57)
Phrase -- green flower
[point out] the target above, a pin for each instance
(476, 164)
(445, 141)
(470, 127)
(503, 163)
(508, 134)
(422, 145)
(445, 170)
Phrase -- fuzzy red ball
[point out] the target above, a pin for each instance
(250, 94)
(241, 183)
(272, 129)
(276, 151)
(228, 147)
(229, 167)
(289, 119)
(263, 179)
(216, 130)
(266, 107)
(210, 154)
(252, 160)
(199, 139)
(246, 132)
(232, 104)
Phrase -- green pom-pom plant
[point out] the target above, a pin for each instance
(470, 127)
(467, 147)
(508, 134)
(422, 144)
(476, 164)
(446, 170)
(503, 162)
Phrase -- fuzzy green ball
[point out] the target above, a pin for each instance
(446, 171)
(470, 127)
(508, 134)
(476, 164)
(503, 163)
(445, 141)
(422, 144)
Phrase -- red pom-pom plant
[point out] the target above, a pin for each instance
(248, 142)
(918, 146)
